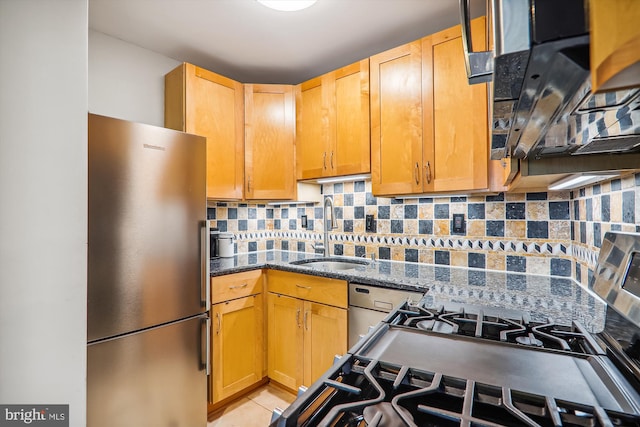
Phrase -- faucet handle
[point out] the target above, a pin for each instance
(318, 247)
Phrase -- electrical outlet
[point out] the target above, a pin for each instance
(458, 224)
(303, 221)
(370, 224)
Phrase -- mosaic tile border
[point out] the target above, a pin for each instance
(509, 246)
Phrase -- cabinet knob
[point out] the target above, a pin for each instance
(416, 173)
(324, 160)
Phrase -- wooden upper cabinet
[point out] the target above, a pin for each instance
(332, 113)
(312, 129)
(350, 94)
(615, 44)
(269, 142)
(456, 145)
(429, 127)
(396, 120)
(207, 104)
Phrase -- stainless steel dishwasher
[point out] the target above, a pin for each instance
(368, 305)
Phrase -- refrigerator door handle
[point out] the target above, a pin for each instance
(205, 297)
(205, 356)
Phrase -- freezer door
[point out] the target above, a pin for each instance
(147, 203)
(154, 378)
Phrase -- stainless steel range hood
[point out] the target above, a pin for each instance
(542, 101)
(556, 113)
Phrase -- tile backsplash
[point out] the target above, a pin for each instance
(556, 233)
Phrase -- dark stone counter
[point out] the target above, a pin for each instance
(546, 298)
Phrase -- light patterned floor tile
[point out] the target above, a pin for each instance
(270, 397)
(243, 413)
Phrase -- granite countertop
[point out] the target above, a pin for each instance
(546, 298)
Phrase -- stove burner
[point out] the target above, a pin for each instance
(529, 340)
(437, 326)
(508, 326)
(384, 415)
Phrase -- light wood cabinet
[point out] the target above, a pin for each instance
(304, 335)
(312, 129)
(204, 103)
(325, 336)
(615, 44)
(269, 142)
(285, 340)
(332, 132)
(455, 113)
(237, 334)
(237, 345)
(396, 120)
(429, 128)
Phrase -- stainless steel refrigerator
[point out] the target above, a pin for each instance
(147, 351)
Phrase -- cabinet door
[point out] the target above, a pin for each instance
(350, 89)
(285, 340)
(396, 120)
(204, 103)
(615, 44)
(456, 145)
(237, 345)
(312, 130)
(325, 335)
(269, 142)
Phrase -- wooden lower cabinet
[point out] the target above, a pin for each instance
(237, 336)
(303, 336)
(325, 336)
(285, 339)
(237, 345)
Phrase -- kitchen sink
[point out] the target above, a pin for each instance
(335, 264)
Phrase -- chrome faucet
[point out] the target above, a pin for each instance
(329, 222)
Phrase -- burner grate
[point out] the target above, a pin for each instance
(496, 327)
(385, 395)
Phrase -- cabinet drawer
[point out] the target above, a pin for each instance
(232, 286)
(311, 288)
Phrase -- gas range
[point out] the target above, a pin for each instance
(464, 365)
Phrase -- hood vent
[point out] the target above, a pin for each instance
(542, 100)
(556, 113)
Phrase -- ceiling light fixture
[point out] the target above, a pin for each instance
(287, 5)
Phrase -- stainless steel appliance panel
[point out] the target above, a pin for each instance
(147, 202)
(151, 378)
(368, 305)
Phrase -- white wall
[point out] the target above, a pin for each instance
(126, 81)
(43, 203)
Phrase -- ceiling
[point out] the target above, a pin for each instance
(248, 42)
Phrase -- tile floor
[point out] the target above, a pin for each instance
(254, 409)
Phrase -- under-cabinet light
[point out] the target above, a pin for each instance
(431, 196)
(349, 178)
(287, 5)
(580, 180)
